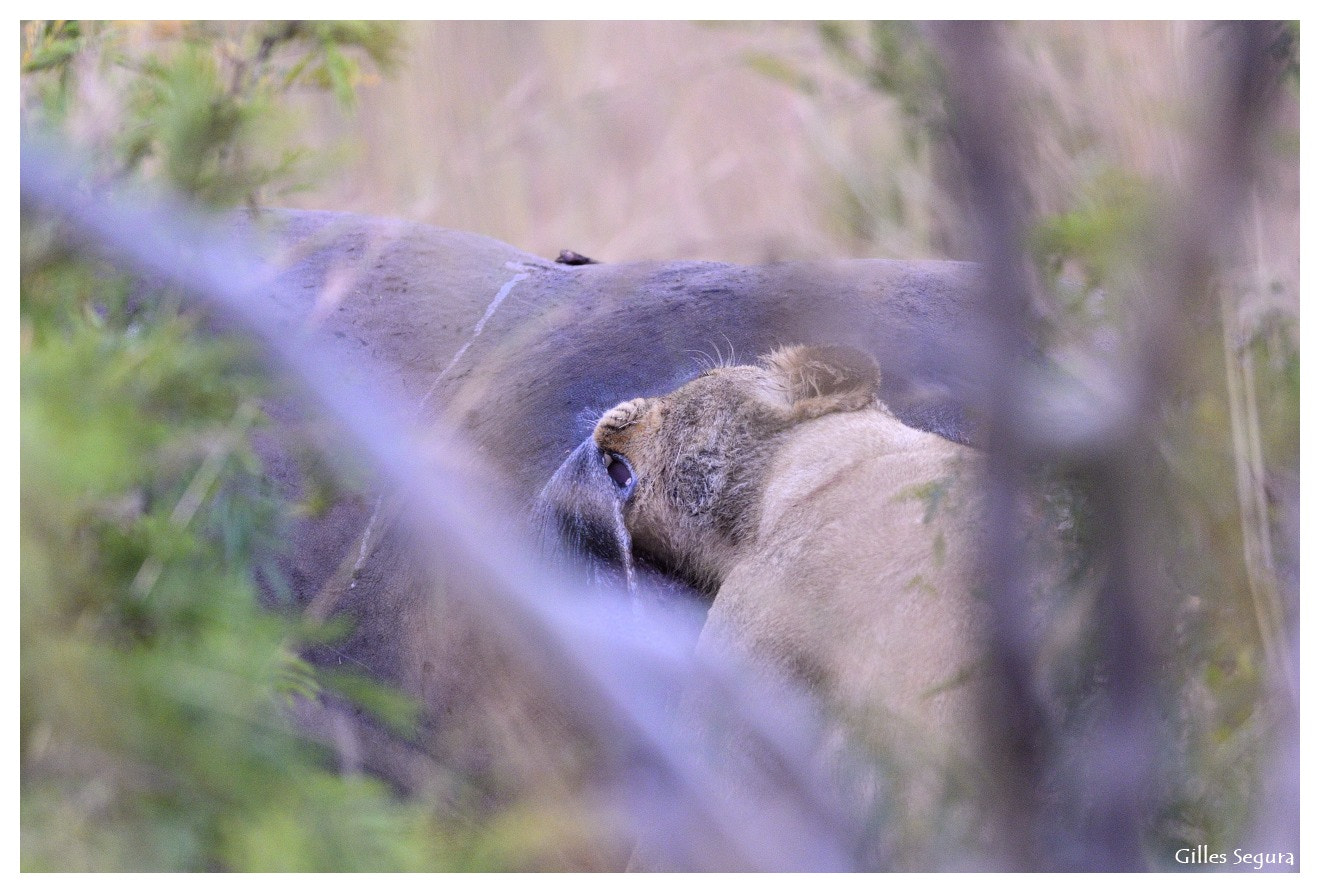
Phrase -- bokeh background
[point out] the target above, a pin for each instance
(154, 729)
(747, 142)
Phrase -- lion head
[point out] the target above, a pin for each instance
(692, 465)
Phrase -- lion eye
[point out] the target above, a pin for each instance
(619, 470)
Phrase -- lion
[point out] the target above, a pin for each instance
(835, 543)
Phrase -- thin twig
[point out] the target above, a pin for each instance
(191, 500)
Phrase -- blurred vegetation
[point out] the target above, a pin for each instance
(1226, 457)
(153, 724)
(203, 107)
(154, 729)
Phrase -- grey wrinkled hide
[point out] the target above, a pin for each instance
(520, 355)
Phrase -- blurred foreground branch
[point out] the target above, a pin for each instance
(1108, 444)
(617, 677)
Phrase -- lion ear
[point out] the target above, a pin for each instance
(820, 379)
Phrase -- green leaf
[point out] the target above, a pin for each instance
(342, 75)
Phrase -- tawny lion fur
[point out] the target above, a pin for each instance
(833, 538)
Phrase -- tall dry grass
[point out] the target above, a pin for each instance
(637, 140)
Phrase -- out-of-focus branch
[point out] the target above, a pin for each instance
(617, 678)
(1113, 457)
(982, 129)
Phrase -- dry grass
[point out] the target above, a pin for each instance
(642, 140)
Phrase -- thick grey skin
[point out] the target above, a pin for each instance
(569, 339)
(564, 344)
(568, 342)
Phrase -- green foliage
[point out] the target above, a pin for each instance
(1101, 235)
(199, 105)
(881, 199)
(153, 729)
(780, 70)
(895, 60)
(52, 46)
(154, 726)
(932, 494)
